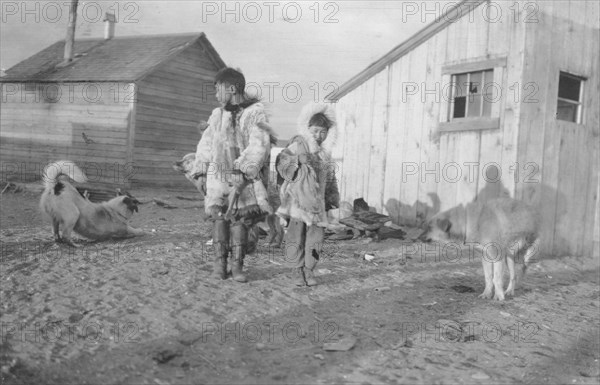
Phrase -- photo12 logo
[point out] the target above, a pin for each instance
(288, 91)
(58, 11)
(27, 172)
(269, 11)
(489, 11)
(52, 332)
(269, 332)
(450, 331)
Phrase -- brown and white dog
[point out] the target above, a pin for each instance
(504, 229)
(69, 210)
(185, 166)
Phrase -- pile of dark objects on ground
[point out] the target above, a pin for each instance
(364, 221)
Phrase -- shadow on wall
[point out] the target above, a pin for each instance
(551, 205)
(419, 212)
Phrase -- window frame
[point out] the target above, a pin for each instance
(449, 124)
(579, 103)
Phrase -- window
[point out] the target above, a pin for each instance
(570, 94)
(471, 95)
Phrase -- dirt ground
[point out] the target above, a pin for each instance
(147, 311)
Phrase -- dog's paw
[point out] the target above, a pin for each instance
(499, 296)
(510, 292)
(68, 242)
(486, 294)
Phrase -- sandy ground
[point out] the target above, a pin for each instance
(147, 311)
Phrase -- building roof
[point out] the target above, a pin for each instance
(452, 15)
(125, 58)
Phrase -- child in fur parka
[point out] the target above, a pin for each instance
(309, 189)
(233, 157)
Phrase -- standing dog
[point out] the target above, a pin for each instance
(185, 166)
(502, 228)
(68, 209)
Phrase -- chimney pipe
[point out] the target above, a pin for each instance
(70, 39)
(109, 25)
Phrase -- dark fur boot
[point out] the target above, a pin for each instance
(239, 240)
(221, 245)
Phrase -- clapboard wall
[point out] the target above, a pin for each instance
(565, 38)
(171, 101)
(393, 153)
(122, 133)
(89, 123)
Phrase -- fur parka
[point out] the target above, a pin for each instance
(225, 146)
(310, 189)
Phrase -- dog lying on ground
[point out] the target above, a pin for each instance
(276, 233)
(68, 209)
(502, 228)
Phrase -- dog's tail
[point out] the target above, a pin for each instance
(62, 167)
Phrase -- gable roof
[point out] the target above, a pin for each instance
(452, 15)
(125, 58)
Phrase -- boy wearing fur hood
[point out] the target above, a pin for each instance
(309, 189)
(233, 157)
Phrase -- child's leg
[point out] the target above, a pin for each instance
(314, 246)
(294, 243)
(294, 249)
(221, 247)
(239, 241)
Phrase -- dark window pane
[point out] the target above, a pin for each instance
(459, 107)
(568, 87)
(566, 111)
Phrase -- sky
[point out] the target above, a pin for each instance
(292, 52)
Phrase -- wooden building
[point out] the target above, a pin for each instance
(493, 98)
(125, 108)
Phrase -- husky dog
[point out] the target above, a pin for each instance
(502, 228)
(185, 166)
(68, 209)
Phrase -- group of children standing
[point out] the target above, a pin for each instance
(233, 156)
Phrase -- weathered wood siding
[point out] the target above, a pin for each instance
(393, 154)
(564, 154)
(87, 123)
(171, 101)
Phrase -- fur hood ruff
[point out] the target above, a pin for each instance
(307, 112)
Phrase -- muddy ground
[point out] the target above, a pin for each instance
(148, 311)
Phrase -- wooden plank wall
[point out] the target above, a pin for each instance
(426, 171)
(551, 164)
(83, 122)
(565, 153)
(171, 102)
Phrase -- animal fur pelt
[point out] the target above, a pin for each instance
(224, 148)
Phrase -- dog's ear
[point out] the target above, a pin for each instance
(444, 224)
(131, 203)
(178, 166)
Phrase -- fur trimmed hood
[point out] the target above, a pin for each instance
(308, 111)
